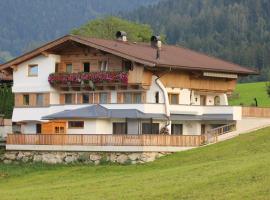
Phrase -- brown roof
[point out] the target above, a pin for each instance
(170, 56)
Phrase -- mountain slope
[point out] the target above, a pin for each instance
(235, 30)
(28, 23)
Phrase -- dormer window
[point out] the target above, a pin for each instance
(33, 70)
(103, 65)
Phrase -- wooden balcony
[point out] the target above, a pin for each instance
(106, 140)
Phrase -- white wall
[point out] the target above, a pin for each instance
(151, 93)
(24, 83)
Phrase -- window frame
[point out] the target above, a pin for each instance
(170, 98)
(124, 124)
(42, 95)
(173, 129)
(24, 102)
(70, 126)
(70, 64)
(88, 67)
(100, 99)
(85, 94)
(103, 65)
(66, 98)
(31, 66)
(152, 131)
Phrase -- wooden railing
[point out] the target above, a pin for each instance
(255, 112)
(106, 140)
(212, 135)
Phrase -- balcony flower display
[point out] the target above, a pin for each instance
(94, 77)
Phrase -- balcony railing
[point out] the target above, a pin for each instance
(90, 78)
(106, 140)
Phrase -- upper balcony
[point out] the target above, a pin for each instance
(109, 80)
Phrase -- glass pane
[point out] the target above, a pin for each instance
(85, 98)
(33, 70)
(26, 99)
(69, 68)
(103, 97)
(137, 98)
(177, 129)
(127, 98)
(68, 98)
(76, 124)
(86, 67)
(39, 99)
(174, 98)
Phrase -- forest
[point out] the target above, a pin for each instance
(235, 30)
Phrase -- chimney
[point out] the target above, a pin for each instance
(121, 35)
(156, 43)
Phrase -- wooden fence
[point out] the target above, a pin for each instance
(212, 135)
(255, 112)
(106, 140)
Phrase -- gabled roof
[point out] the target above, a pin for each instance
(170, 56)
(100, 112)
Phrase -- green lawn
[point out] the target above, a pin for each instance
(235, 169)
(248, 91)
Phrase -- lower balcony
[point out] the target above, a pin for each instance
(106, 143)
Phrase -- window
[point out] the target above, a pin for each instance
(69, 68)
(103, 65)
(177, 129)
(85, 98)
(33, 70)
(38, 128)
(76, 124)
(59, 129)
(173, 98)
(119, 128)
(157, 97)
(56, 67)
(103, 98)
(137, 98)
(68, 98)
(86, 67)
(203, 100)
(217, 100)
(150, 128)
(127, 65)
(39, 99)
(127, 97)
(26, 99)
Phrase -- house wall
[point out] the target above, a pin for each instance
(22, 83)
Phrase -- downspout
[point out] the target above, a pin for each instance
(166, 99)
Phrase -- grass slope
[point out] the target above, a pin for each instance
(248, 91)
(235, 169)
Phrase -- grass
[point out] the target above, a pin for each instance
(248, 91)
(234, 169)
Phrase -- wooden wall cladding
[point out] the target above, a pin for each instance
(186, 80)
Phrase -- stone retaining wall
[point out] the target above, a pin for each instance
(79, 157)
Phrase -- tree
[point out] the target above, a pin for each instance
(107, 27)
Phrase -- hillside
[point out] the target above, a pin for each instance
(235, 30)
(246, 92)
(28, 23)
(235, 169)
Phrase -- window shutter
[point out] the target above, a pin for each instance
(62, 98)
(46, 100)
(120, 97)
(18, 99)
(62, 67)
(79, 98)
(143, 97)
(73, 98)
(109, 97)
(91, 97)
(96, 98)
(32, 99)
